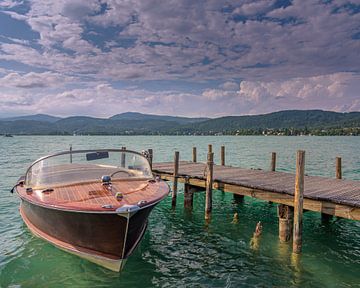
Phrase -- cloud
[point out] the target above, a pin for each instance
(301, 55)
(34, 80)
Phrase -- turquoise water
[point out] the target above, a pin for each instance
(179, 249)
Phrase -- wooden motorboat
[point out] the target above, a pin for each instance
(94, 204)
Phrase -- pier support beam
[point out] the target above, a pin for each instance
(298, 201)
(175, 180)
(286, 215)
(194, 154)
(209, 184)
(222, 156)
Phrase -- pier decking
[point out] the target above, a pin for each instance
(330, 196)
(294, 193)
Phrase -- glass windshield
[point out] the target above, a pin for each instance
(87, 166)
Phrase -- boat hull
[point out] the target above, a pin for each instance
(106, 239)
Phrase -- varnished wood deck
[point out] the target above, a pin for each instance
(93, 196)
(330, 196)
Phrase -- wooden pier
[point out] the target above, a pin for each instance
(293, 192)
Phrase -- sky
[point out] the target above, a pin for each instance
(178, 57)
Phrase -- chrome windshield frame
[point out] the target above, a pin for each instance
(70, 152)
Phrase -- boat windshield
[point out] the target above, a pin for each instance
(86, 166)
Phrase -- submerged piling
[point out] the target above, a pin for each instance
(286, 215)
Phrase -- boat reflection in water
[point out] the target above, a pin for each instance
(94, 204)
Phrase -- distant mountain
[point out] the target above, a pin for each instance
(278, 120)
(140, 116)
(37, 117)
(291, 122)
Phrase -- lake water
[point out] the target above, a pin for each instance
(179, 249)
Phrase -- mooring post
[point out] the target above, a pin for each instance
(338, 168)
(209, 148)
(273, 161)
(209, 184)
(151, 155)
(298, 201)
(123, 157)
(222, 156)
(70, 148)
(175, 180)
(194, 154)
(286, 215)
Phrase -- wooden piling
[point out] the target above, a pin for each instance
(151, 155)
(238, 198)
(194, 154)
(222, 156)
(70, 148)
(298, 201)
(209, 148)
(286, 215)
(338, 168)
(188, 195)
(175, 180)
(209, 184)
(273, 161)
(122, 162)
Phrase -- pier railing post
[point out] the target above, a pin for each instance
(123, 157)
(194, 154)
(209, 184)
(151, 155)
(175, 180)
(298, 201)
(70, 148)
(273, 161)
(222, 156)
(338, 168)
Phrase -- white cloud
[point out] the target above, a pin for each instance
(34, 80)
(295, 57)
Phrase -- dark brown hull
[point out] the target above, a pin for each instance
(104, 236)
